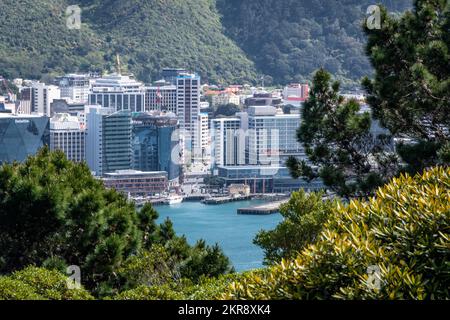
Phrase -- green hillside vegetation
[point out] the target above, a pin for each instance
(225, 41)
(290, 39)
(149, 35)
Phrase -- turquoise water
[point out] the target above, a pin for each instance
(221, 224)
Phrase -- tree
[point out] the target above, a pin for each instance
(53, 208)
(402, 235)
(304, 217)
(53, 213)
(410, 93)
(226, 110)
(339, 143)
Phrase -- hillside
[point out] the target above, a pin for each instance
(290, 39)
(224, 40)
(149, 35)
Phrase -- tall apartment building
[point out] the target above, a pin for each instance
(42, 96)
(161, 97)
(188, 109)
(74, 87)
(156, 143)
(26, 94)
(118, 92)
(67, 135)
(108, 140)
(202, 141)
(228, 142)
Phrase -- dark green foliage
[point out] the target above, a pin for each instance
(411, 90)
(226, 110)
(339, 143)
(304, 217)
(290, 39)
(53, 208)
(203, 260)
(53, 213)
(287, 39)
(149, 35)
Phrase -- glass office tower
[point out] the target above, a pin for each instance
(156, 143)
(22, 136)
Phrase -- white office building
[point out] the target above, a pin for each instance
(74, 87)
(188, 110)
(161, 97)
(67, 135)
(42, 96)
(228, 142)
(272, 136)
(202, 143)
(119, 92)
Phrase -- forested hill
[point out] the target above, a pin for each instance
(224, 40)
(290, 39)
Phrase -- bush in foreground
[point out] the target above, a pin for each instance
(403, 234)
(34, 283)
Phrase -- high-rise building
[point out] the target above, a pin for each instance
(161, 97)
(202, 141)
(188, 109)
(156, 143)
(67, 135)
(228, 142)
(26, 94)
(272, 136)
(118, 92)
(108, 140)
(74, 87)
(42, 96)
(22, 136)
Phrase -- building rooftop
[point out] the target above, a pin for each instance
(130, 173)
(20, 116)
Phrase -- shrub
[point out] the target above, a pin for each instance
(403, 232)
(184, 289)
(304, 217)
(34, 283)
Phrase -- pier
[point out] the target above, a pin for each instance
(222, 200)
(264, 209)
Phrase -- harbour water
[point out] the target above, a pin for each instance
(221, 224)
